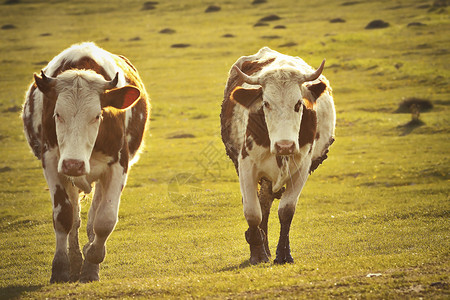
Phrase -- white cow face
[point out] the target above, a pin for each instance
(282, 103)
(80, 98)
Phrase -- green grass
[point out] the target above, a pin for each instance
(379, 204)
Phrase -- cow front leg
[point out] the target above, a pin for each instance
(89, 271)
(75, 257)
(286, 212)
(254, 236)
(265, 199)
(62, 216)
(106, 216)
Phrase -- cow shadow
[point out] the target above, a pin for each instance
(14, 292)
(243, 265)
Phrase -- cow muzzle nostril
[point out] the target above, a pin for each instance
(73, 167)
(284, 147)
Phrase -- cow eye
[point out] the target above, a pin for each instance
(298, 105)
(266, 104)
(96, 119)
(58, 117)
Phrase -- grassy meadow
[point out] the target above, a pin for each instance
(372, 221)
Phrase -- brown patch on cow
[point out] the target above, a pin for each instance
(315, 163)
(246, 97)
(251, 67)
(110, 136)
(124, 159)
(317, 136)
(308, 127)
(84, 63)
(33, 137)
(48, 120)
(257, 128)
(65, 215)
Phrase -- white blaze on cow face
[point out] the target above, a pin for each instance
(77, 117)
(282, 107)
(77, 101)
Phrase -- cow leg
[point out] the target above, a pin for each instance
(265, 199)
(286, 212)
(106, 215)
(75, 257)
(252, 212)
(90, 270)
(62, 217)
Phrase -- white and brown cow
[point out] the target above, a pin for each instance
(278, 121)
(85, 117)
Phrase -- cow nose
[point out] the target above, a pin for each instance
(285, 147)
(73, 167)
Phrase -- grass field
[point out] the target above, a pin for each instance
(379, 205)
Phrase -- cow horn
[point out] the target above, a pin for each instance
(313, 76)
(112, 83)
(245, 77)
(49, 80)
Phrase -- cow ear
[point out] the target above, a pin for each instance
(121, 98)
(314, 91)
(246, 97)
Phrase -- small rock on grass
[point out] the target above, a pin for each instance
(180, 45)
(377, 24)
(212, 8)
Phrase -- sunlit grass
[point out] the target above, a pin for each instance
(378, 204)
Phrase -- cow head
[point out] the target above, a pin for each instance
(282, 101)
(77, 98)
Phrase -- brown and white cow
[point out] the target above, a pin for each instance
(278, 121)
(85, 117)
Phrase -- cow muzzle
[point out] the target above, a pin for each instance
(285, 147)
(73, 167)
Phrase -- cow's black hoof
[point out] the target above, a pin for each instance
(89, 272)
(284, 260)
(60, 268)
(258, 255)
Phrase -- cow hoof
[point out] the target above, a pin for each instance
(93, 254)
(258, 255)
(89, 272)
(60, 268)
(284, 260)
